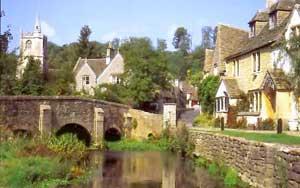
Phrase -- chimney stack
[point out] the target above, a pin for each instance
(109, 53)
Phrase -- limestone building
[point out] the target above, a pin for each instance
(89, 73)
(33, 44)
(256, 70)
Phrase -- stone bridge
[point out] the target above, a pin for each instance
(90, 119)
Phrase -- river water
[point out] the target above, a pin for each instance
(148, 170)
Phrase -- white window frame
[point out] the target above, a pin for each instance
(256, 62)
(28, 44)
(236, 68)
(256, 105)
(252, 30)
(222, 104)
(86, 80)
(273, 20)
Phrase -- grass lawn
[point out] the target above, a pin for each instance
(265, 137)
(134, 145)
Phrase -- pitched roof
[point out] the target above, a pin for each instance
(283, 5)
(208, 63)
(260, 16)
(279, 79)
(97, 65)
(265, 38)
(232, 87)
(228, 39)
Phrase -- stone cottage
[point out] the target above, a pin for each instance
(256, 69)
(90, 73)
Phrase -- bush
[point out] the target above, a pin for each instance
(267, 124)
(231, 179)
(68, 145)
(204, 120)
(240, 124)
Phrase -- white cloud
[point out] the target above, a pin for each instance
(48, 29)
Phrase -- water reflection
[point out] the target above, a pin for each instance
(148, 170)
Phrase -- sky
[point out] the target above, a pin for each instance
(62, 19)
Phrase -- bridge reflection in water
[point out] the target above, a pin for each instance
(148, 170)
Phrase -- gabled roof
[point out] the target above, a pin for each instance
(208, 63)
(260, 16)
(278, 78)
(265, 38)
(228, 39)
(283, 5)
(232, 87)
(97, 65)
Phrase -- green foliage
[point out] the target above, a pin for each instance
(8, 64)
(68, 145)
(265, 137)
(231, 178)
(134, 145)
(145, 70)
(84, 46)
(134, 123)
(32, 81)
(181, 143)
(240, 124)
(112, 92)
(266, 124)
(207, 92)
(30, 163)
(204, 120)
(213, 169)
(182, 40)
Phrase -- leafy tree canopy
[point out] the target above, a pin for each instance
(182, 40)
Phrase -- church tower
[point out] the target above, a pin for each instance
(33, 44)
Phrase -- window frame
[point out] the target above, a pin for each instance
(256, 62)
(85, 80)
(28, 45)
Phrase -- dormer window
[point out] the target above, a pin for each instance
(28, 45)
(252, 30)
(295, 31)
(273, 20)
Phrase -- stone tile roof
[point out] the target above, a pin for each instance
(232, 87)
(228, 40)
(279, 78)
(283, 5)
(97, 65)
(265, 38)
(189, 89)
(208, 63)
(260, 16)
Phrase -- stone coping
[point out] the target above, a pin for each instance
(27, 97)
(280, 147)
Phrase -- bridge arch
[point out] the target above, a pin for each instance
(112, 134)
(81, 132)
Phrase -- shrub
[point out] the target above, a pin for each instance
(231, 179)
(217, 122)
(267, 124)
(68, 145)
(204, 120)
(240, 124)
(213, 169)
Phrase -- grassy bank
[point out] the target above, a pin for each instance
(217, 169)
(265, 137)
(135, 145)
(42, 162)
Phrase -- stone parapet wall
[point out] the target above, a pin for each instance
(259, 164)
(147, 123)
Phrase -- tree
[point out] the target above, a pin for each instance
(292, 47)
(32, 81)
(208, 37)
(161, 45)
(207, 92)
(145, 70)
(8, 64)
(83, 42)
(182, 40)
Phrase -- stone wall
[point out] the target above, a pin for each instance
(146, 123)
(259, 164)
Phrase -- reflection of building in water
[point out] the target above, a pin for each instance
(168, 178)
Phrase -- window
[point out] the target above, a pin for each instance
(295, 31)
(222, 104)
(85, 80)
(273, 20)
(252, 30)
(28, 45)
(236, 68)
(256, 101)
(256, 62)
(115, 79)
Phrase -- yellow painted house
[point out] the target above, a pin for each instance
(255, 73)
